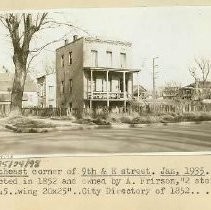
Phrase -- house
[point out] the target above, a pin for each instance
(47, 91)
(94, 73)
(170, 92)
(29, 99)
(139, 92)
(196, 91)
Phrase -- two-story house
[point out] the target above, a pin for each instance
(30, 98)
(47, 91)
(94, 73)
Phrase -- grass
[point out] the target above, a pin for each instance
(159, 118)
(90, 121)
(34, 125)
(27, 122)
(135, 118)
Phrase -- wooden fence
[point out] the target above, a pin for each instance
(141, 109)
(161, 108)
(49, 112)
(4, 110)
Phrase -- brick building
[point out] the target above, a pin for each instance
(93, 73)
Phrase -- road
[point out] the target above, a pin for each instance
(169, 138)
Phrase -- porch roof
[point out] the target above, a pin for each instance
(112, 69)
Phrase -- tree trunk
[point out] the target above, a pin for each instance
(18, 86)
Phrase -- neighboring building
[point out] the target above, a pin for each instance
(94, 73)
(170, 92)
(30, 98)
(47, 91)
(196, 91)
(139, 92)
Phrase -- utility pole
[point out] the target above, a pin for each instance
(154, 66)
(138, 85)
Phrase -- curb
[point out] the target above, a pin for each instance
(122, 126)
(90, 127)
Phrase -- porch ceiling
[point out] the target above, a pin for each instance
(111, 69)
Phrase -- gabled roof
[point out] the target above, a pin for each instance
(141, 89)
(6, 82)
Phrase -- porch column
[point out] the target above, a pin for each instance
(107, 88)
(124, 91)
(91, 88)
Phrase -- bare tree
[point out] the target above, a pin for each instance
(50, 68)
(200, 70)
(22, 30)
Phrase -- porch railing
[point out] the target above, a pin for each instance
(110, 95)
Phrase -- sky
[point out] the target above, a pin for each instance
(176, 35)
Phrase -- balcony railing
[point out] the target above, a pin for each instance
(110, 95)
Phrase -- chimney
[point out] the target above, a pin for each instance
(6, 70)
(65, 41)
(75, 37)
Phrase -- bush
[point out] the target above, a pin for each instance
(70, 117)
(26, 122)
(97, 121)
(100, 121)
(167, 118)
(85, 121)
(196, 116)
(126, 119)
(122, 117)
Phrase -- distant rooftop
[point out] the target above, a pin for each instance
(201, 84)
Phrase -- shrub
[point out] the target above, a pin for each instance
(26, 122)
(126, 119)
(85, 121)
(100, 121)
(167, 118)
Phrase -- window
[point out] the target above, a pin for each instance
(42, 91)
(123, 60)
(94, 58)
(51, 89)
(70, 58)
(71, 85)
(109, 58)
(99, 84)
(115, 83)
(62, 87)
(62, 61)
(51, 92)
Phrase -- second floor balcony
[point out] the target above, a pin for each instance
(96, 95)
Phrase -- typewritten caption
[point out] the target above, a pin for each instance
(41, 177)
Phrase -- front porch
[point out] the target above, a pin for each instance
(108, 84)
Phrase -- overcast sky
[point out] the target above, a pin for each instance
(175, 34)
